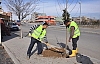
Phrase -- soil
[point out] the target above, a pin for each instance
(53, 52)
(4, 57)
(60, 50)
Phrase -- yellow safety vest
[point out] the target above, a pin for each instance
(39, 33)
(76, 31)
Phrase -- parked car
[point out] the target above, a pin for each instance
(14, 26)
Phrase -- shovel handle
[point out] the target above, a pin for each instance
(43, 42)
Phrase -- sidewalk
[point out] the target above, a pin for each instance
(17, 48)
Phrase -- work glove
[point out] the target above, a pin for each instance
(29, 34)
(47, 44)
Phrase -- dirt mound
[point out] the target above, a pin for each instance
(51, 52)
(60, 50)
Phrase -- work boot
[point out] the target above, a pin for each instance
(76, 50)
(73, 53)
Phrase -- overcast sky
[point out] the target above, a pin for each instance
(89, 8)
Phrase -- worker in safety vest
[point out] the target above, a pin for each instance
(37, 34)
(74, 35)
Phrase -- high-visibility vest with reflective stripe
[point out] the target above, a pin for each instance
(76, 30)
(39, 33)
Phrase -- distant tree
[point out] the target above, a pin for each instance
(65, 14)
(98, 22)
(21, 8)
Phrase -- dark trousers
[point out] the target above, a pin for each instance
(74, 42)
(39, 46)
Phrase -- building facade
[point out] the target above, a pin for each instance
(35, 15)
(42, 17)
(4, 18)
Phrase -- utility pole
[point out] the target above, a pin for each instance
(80, 11)
(0, 24)
(66, 27)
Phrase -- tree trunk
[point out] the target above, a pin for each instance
(21, 36)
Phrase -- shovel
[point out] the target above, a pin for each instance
(61, 50)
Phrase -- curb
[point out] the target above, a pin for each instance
(14, 59)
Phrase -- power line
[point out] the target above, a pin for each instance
(74, 6)
(76, 11)
(64, 4)
(71, 3)
(60, 6)
(56, 9)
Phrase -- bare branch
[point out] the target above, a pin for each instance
(21, 8)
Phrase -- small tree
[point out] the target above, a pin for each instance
(21, 8)
(65, 14)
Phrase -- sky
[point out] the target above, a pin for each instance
(89, 8)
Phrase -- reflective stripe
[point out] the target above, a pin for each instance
(37, 31)
(76, 29)
(76, 33)
(41, 37)
(36, 34)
